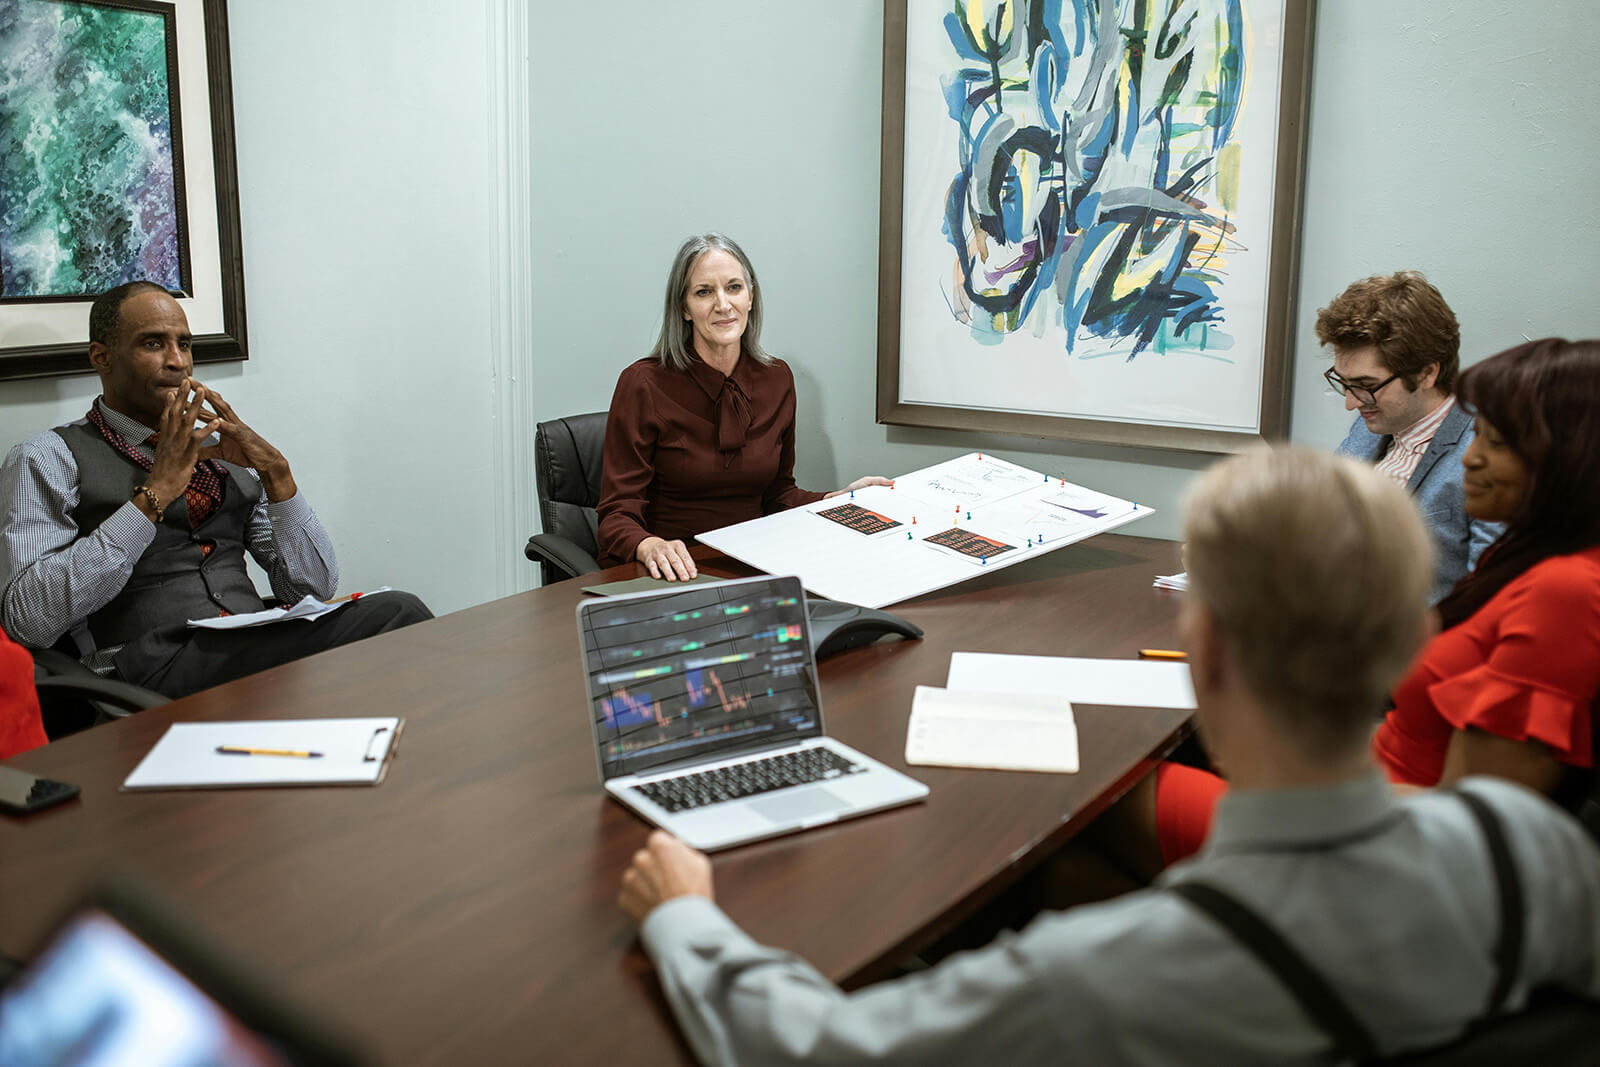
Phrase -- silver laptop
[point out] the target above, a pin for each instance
(707, 717)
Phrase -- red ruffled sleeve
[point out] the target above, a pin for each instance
(1541, 672)
(1507, 707)
(20, 726)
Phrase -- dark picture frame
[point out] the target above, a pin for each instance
(1288, 155)
(228, 343)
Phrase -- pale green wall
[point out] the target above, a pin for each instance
(1455, 138)
(1458, 138)
(364, 167)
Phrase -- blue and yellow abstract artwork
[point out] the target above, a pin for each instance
(90, 175)
(1089, 182)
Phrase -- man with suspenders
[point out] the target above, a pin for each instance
(1327, 919)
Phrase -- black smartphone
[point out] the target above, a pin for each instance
(21, 792)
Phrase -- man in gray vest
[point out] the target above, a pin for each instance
(123, 526)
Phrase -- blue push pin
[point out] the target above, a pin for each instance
(853, 495)
(983, 559)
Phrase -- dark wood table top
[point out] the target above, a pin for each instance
(465, 910)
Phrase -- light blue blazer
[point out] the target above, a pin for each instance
(1436, 485)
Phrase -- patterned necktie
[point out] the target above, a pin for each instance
(204, 492)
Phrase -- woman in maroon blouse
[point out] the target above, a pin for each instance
(701, 431)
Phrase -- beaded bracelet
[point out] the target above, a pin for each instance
(155, 501)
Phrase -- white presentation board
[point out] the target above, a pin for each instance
(933, 528)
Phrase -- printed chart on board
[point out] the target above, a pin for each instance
(932, 528)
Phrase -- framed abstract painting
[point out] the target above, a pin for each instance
(116, 164)
(1090, 216)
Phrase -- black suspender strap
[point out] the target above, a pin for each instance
(1316, 997)
(1508, 945)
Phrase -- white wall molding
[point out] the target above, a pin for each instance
(510, 318)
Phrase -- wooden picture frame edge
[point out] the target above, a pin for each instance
(61, 360)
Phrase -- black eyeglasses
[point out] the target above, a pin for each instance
(1365, 395)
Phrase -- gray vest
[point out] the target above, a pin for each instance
(176, 579)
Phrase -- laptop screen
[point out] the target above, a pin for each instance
(698, 674)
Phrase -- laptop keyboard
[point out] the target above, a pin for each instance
(747, 779)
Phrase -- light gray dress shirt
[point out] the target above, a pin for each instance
(53, 576)
(1392, 900)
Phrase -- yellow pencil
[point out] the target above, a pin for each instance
(234, 750)
(1162, 653)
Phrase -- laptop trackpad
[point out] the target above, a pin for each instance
(797, 805)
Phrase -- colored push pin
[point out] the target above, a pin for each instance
(852, 494)
(984, 560)
(1030, 542)
(908, 535)
(1063, 482)
(969, 516)
(980, 457)
(1046, 479)
(913, 520)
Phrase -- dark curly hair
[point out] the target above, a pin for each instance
(1405, 317)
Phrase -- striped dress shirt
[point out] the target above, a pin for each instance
(1406, 450)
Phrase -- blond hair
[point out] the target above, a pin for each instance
(1317, 570)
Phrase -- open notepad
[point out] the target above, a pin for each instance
(350, 752)
(992, 731)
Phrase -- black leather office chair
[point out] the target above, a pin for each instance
(1555, 1030)
(567, 464)
(74, 698)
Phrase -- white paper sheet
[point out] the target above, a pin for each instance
(1121, 682)
(354, 752)
(887, 556)
(308, 608)
(992, 731)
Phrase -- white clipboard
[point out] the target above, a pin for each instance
(349, 752)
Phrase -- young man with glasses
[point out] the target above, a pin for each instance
(1395, 355)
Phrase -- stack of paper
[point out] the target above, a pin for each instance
(307, 609)
(1119, 682)
(1179, 582)
(1005, 712)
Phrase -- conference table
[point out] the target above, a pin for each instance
(464, 911)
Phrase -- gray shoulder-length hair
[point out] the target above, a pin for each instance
(675, 347)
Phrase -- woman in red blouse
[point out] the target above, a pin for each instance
(1508, 685)
(701, 431)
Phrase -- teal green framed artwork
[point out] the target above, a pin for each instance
(116, 164)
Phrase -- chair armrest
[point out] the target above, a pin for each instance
(48, 662)
(116, 698)
(561, 554)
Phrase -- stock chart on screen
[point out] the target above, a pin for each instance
(685, 674)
